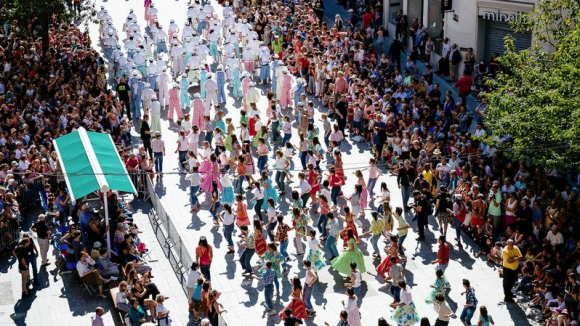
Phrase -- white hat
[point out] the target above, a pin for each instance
(299, 81)
(135, 73)
(110, 33)
(252, 84)
(184, 75)
(285, 71)
(151, 5)
(247, 74)
(164, 69)
(220, 67)
(232, 55)
(248, 47)
(147, 85)
(208, 75)
(160, 26)
(172, 21)
(175, 42)
(153, 97)
(197, 95)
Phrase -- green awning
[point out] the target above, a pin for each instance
(90, 162)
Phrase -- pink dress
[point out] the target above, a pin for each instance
(364, 194)
(210, 176)
(174, 104)
(198, 109)
(146, 4)
(286, 86)
(245, 86)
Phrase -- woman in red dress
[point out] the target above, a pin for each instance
(259, 241)
(349, 220)
(393, 251)
(338, 166)
(313, 182)
(296, 304)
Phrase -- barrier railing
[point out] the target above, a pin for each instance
(172, 245)
(28, 192)
(9, 235)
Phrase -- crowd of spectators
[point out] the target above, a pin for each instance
(423, 134)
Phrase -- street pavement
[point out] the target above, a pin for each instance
(243, 297)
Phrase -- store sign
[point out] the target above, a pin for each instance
(446, 5)
(519, 16)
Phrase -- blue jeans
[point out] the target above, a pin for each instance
(334, 194)
(262, 161)
(457, 226)
(213, 210)
(271, 228)
(306, 294)
(269, 294)
(246, 258)
(396, 292)
(182, 158)
(158, 161)
(239, 184)
(371, 186)
(280, 176)
(466, 314)
(258, 209)
(286, 138)
(375, 241)
(400, 243)
(331, 246)
(406, 193)
(193, 195)
(356, 290)
(275, 126)
(284, 251)
(205, 270)
(303, 156)
(276, 283)
(228, 230)
(321, 225)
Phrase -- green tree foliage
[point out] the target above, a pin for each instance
(35, 16)
(536, 99)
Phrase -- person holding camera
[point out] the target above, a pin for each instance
(422, 207)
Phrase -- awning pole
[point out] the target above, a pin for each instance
(106, 225)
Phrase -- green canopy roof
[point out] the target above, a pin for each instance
(90, 162)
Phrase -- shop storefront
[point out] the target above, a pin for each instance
(497, 26)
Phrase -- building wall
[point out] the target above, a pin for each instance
(466, 26)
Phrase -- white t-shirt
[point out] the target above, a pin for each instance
(194, 178)
(163, 321)
(192, 278)
(226, 181)
(228, 218)
(258, 193)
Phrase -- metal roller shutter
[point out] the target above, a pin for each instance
(495, 32)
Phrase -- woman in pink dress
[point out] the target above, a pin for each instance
(205, 166)
(198, 110)
(364, 194)
(146, 4)
(210, 176)
(286, 86)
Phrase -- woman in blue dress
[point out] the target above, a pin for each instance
(237, 83)
(269, 191)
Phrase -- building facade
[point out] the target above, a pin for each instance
(479, 24)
